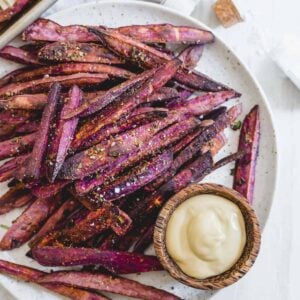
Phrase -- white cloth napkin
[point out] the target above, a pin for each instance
(185, 7)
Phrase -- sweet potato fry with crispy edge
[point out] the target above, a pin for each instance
(136, 178)
(34, 164)
(77, 52)
(114, 242)
(145, 240)
(36, 101)
(191, 55)
(244, 176)
(13, 10)
(33, 46)
(167, 33)
(158, 142)
(72, 68)
(47, 30)
(123, 107)
(49, 189)
(99, 102)
(27, 101)
(17, 145)
(204, 103)
(31, 275)
(107, 283)
(118, 262)
(7, 169)
(92, 223)
(20, 56)
(21, 201)
(27, 224)
(63, 135)
(12, 194)
(6, 79)
(40, 85)
(58, 216)
(149, 57)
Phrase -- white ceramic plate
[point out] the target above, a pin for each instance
(220, 63)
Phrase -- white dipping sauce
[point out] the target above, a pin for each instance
(206, 235)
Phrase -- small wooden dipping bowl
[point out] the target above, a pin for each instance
(250, 252)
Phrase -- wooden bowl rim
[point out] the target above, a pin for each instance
(250, 252)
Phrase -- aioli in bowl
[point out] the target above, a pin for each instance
(206, 235)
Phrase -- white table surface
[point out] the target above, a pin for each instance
(275, 274)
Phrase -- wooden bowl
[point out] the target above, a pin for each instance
(250, 252)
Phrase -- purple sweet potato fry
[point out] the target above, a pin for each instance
(11, 11)
(72, 68)
(91, 224)
(204, 103)
(8, 78)
(34, 164)
(20, 56)
(27, 274)
(145, 240)
(25, 101)
(58, 216)
(43, 84)
(118, 262)
(27, 224)
(20, 201)
(77, 52)
(47, 30)
(49, 189)
(102, 282)
(15, 197)
(8, 168)
(63, 134)
(167, 33)
(16, 145)
(12, 194)
(244, 177)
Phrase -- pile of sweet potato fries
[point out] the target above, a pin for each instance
(101, 127)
